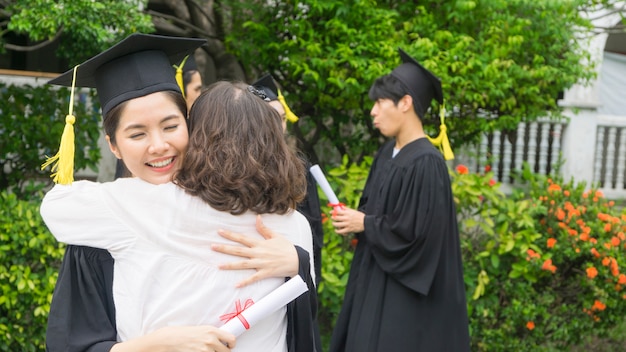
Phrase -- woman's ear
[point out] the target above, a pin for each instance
(113, 148)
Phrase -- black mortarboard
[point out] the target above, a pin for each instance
(423, 85)
(137, 66)
(190, 64)
(267, 90)
(267, 86)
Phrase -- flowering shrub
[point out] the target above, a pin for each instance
(542, 267)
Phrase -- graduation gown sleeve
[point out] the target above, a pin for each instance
(311, 210)
(82, 313)
(302, 328)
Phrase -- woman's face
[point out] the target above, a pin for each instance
(193, 89)
(281, 111)
(151, 138)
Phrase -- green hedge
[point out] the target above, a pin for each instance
(29, 262)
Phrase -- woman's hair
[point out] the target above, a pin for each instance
(111, 120)
(237, 159)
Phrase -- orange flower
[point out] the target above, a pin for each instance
(462, 169)
(585, 195)
(547, 265)
(599, 194)
(551, 242)
(622, 279)
(606, 261)
(554, 188)
(615, 241)
(492, 182)
(597, 305)
(583, 237)
(614, 267)
(592, 272)
(560, 214)
(532, 254)
(593, 240)
(530, 325)
(595, 253)
(354, 242)
(611, 203)
(566, 193)
(487, 168)
(607, 228)
(577, 250)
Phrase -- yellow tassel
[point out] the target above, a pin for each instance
(442, 141)
(179, 75)
(288, 113)
(63, 162)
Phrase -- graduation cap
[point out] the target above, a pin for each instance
(268, 91)
(423, 85)
(137, 66)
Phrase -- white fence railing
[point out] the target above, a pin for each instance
(587, 147)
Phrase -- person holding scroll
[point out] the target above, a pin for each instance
(405, 292)
(160, 235)
(144, 110)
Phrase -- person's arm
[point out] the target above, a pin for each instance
(180, 339)
(78, 214)
(82, 313)
(273, 256)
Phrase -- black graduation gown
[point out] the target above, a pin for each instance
(312, 211)
(405, 291)
(82, 312)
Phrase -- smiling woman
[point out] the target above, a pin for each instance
(150, 134)
(148, 226)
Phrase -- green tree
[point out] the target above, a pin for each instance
(500, 61)
(82, 27)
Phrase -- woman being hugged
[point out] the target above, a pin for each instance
(168, 292)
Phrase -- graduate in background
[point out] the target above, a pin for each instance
(406, 289)
(310, 207)
(189, 79)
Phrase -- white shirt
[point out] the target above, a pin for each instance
(165, 272)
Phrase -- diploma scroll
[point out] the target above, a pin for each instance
(318, 174)
(267, 305)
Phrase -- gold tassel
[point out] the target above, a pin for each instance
(288, 113)
(441, 141)
(63, 162)
(179, 75)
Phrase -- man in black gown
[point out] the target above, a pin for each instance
(406, 290)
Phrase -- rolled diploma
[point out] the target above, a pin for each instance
(324, 185)
(267, 305)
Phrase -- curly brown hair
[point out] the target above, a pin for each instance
(238, 159)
